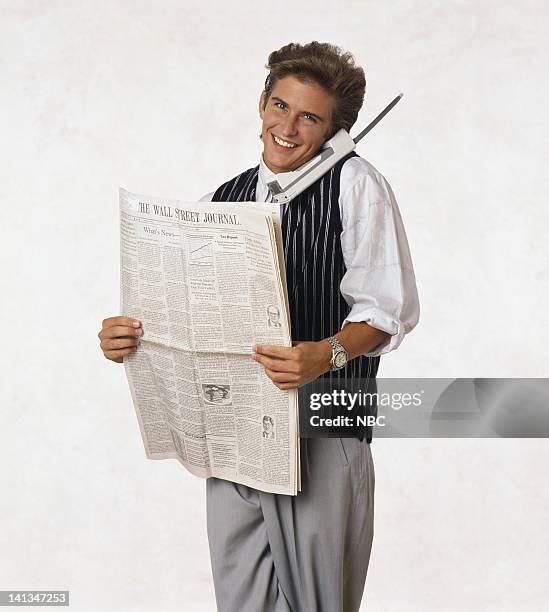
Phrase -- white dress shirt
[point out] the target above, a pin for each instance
(379, 285)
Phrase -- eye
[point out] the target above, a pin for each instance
(310, 117)
(280, 105)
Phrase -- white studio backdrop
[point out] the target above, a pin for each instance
(161, 98)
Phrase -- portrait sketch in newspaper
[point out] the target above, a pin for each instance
(207, 281)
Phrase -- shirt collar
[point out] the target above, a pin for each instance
(265, 175)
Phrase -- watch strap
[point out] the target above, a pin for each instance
(337, 347)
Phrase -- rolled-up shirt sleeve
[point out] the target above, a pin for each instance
(379, 285)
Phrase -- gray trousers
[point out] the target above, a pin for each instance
(304, 553)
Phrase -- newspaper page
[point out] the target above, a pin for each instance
(207, 282)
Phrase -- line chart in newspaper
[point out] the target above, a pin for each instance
(207, 281)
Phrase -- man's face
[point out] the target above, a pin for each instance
(298, 114)
(273, 313)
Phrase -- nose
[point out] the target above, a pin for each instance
(289, 127)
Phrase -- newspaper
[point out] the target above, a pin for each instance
(207, 282)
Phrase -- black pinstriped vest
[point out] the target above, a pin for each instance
(311, 230)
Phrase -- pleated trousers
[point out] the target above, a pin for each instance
(304, 553)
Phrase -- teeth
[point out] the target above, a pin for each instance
(284, 143)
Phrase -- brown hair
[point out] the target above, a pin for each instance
(327, 66)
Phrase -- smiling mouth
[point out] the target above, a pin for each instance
(283, 143)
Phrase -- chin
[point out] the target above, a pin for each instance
(277, 165)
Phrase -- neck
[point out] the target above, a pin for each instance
(273, 170)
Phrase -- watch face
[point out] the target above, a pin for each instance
(340, 359)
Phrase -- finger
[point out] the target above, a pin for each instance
(126, 321)
(118, 343)
(286, 386)
(281, 377)
(270, 350)
(278, 365)
(119, 331)
(117, 355)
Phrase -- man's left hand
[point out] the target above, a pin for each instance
(292, 367)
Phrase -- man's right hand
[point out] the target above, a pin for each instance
(119, 336)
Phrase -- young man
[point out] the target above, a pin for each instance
(352, 297)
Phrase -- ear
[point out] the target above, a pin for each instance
(262, 100)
